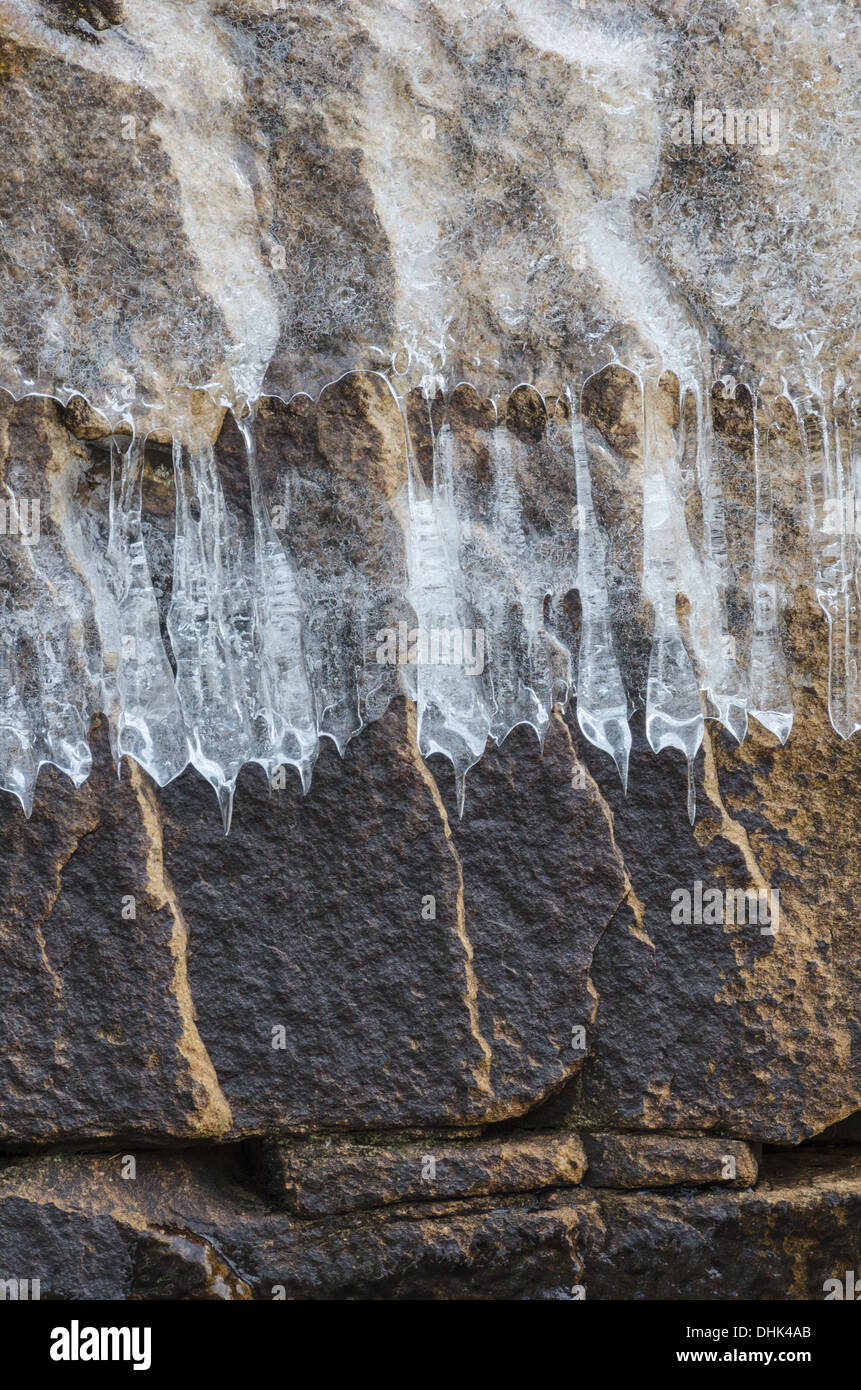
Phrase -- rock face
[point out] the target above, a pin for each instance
(366, 1046)
(313, 912)
(363, 957)
(661, 1160)
(102, 1039)
(507, 991)
(252, 193)
(183, 1228)
(318, 1179)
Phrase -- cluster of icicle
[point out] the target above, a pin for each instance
(274, 630)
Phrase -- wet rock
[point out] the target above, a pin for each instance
(662, 1160)
(82, 421)
(711, 1026)
(319, 1177)
(427, 970)
(101, 1039)
(249, 191)
(171, 1264)
(779, 1241)
(187, 1227)
(391, 1017)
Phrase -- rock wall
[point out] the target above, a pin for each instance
(362, 1047)
(378, 1042)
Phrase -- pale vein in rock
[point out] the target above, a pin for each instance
(215, 1117)
(481, 1072)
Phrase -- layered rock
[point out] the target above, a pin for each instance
(363, 957)
(179, 1228)
(412, 954)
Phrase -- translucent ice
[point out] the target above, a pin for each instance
(464, 292)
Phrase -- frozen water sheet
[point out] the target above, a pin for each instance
(428, 303)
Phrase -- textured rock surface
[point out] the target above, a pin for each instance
(552, 902)
(660, 1160)
(711, 1050)
(319, 1178)
(203, 201)
(309, 918)
(194, 1227)
(100, 1037)
(248, 188)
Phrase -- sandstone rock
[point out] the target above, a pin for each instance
(170, 1264)
(552, 899)
(711, 1027)
(189, 1225)
(101, 1039)
(221, 204)
(780, 1241)
(667, 1160)
(246, 191)
(319, 1177)
(72, 1256)
(82, 421)
(391, 1019)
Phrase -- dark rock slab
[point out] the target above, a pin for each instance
(724, 1028)
(189, 1226)
(99, 1037)
(780, 1241)
(667, 1160)
(308, 918)
(319, 1177)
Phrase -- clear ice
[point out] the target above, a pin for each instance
(479, 210)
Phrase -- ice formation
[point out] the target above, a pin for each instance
(468, 206)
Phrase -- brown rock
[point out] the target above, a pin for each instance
(101, 1039)
(86, 1232)
(172, 1264)
(667, 1160)
(322, 1176)
(390, 1019)
(83, 421)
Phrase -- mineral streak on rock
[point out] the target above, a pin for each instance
(481, 380)
(520, 193)
(486, 567)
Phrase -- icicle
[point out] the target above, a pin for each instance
(286, 698)
(707, 581)
(555, 543)
(453, 717)
(280, 636)
(211, 628)
(150, 727)
(496, 567)
(674, 717)
(460, 792)
(844, 694)
(771, 702)
(17, 764)
(225, 793)
(602, 703)
(51, 605)
(832, 501)
(527, 697)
